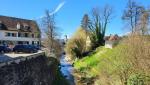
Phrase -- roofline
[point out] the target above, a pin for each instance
(17, 18)
(32, 22)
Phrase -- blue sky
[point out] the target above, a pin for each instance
(69, 14)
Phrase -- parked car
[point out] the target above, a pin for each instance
(4, 49)
(36, 47)
(25, 49)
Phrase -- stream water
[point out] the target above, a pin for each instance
(67, 69)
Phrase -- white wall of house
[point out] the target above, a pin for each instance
(109, 44)
(3, 37)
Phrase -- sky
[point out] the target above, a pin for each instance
(68, 13)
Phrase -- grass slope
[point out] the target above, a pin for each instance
(102, 58)
(109, 64)
(89, 64)
(100, 61)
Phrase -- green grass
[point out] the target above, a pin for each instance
(90, 63)
(102, 59)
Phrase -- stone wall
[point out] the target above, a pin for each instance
(35, 71)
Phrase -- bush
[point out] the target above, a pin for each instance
(139, 79)
(77, 44)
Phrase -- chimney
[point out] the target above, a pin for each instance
(18, 26)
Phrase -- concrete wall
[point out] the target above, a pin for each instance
(34, 70)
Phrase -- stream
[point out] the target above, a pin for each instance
(67, 69)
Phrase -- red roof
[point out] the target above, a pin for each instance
(112, 38)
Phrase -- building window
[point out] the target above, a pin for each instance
(26, 27)
(11, 34)
(0, 42)
(32, 42)
(19, 34)
(14, 34)
(27, 42)
(32, 35)
(8, 34)
(38, 43)
(1, 25)
(20, 42)
(26, 34)
(23, 34)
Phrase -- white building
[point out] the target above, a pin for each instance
(111, 40)
(18, 31)
(109, 44)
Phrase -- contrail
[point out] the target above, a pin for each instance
(56, 10)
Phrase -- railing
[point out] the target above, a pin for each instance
(19, 38)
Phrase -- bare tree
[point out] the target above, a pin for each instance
(52, 42)
(106, 17)
(49, 25)
(99, 22)
(144, 22)
(132, 14)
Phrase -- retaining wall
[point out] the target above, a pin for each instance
(32, 70)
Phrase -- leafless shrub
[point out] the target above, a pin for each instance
(138, 51)
(131, 57)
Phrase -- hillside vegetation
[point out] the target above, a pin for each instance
(126, 64)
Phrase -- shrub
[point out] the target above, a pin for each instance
(139, 79)
(77, 45)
